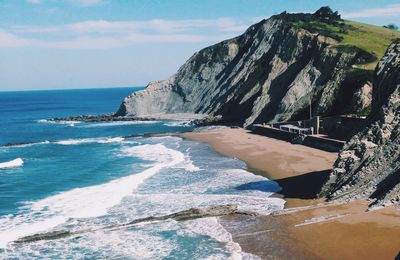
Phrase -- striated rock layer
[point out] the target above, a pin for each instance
(369, 164)
(270, 73)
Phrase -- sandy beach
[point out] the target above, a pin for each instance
(310, 228)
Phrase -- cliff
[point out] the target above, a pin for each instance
(270, 73)
(369, 165)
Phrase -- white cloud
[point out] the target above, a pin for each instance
(157, 25)
(11, 40)
(84, 3)
(103, 34)
(128, 40)
(34, 1)
(389, 10)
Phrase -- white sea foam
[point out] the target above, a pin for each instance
(90, 201)
(212, 228)
(104, 140)
(100, 140)
(26, 145)
(118, 123)
(159, 194)
(188, 165)
(128, 245)
(62, 122)
(178, 123)
(13, 163)
(155, 203)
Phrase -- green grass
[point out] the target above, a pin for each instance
(374, 40)
(370, 38)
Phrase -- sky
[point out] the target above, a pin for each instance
(58, 44)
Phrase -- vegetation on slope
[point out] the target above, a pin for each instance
(374, 40)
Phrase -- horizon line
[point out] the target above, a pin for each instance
(73, 88)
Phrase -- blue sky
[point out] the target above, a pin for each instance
(52, 44)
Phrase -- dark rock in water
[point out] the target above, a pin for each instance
(269, 73)
(193, 213)
(17, 144)
(101, 118)
(208, 120)
(45, 236)
(368, 167)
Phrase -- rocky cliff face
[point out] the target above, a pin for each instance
(270, 73)
(369, 165)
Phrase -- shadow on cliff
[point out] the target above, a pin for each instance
(305, 186)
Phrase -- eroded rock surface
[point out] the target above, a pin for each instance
(369, 165)
(192, 213)
(270, 73)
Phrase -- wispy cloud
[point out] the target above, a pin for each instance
(103, 34)
(389, 10)
(34, 1)
(10, 40)
(156, 25)
(84, 3)
(87, 2)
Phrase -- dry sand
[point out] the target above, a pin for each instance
(314, 230)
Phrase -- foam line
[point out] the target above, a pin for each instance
(90, 201)
(11, 164)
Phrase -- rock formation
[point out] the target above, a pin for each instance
(369, 164)
(270, 73)
(190, 214)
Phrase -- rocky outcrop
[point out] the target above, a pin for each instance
(369, 164)
(362, 98)
(112, 117)
(184, 215)
(270, 73)
(98, 118)
(208, 120)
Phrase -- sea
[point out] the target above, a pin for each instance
(79, 177)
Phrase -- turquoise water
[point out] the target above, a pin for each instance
(83, 176)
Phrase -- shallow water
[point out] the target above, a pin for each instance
(78, 176)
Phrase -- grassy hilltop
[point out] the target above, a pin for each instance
(373, 40)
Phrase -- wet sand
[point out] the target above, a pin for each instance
(312, 229)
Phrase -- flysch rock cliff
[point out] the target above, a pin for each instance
(368, 167)
(269, 73)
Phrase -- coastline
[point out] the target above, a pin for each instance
(311, 228)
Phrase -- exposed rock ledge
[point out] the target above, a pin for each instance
(193, 213)
(269, 73)
(369, 165)
(113, 117)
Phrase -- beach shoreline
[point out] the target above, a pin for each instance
(311, 228)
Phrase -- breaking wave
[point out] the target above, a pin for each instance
(105, 140)
(86, 202)
(13, 163)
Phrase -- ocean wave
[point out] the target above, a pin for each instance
(118, 123)
(11, 164)
(178, 123)
(122, 200)
(63, 122)
(154, 203)
(155, 152)
(92, 201)
(101, 140)
(212, 228)
(25, 144)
